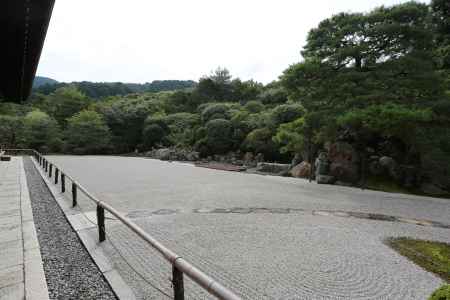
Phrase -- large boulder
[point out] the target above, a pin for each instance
(387, 162)
(391, 167)
(163, 154)
(375, 168)
(272, 168)
(193, 156)
(302, 170)
(410, 176)
(259, 158)
(345, 172)
(344, 160)
(249, 160)
(296, 160)
(325, 179)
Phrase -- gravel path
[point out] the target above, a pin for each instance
(69, 270)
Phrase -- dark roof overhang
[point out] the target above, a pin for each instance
(23, 26)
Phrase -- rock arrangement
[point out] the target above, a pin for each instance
(339, 164)
(173, 154)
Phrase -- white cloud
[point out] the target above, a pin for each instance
(142, 40)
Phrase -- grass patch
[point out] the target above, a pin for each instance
(385, 185)
(432, 256)
(442, 293)
(388, 185)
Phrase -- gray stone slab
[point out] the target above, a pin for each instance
(91, 243)
(12, 233)
(10, 276)
(10, 212)
(9, 221)
(120, 288)
(30, 239)
(12, 254)
(35, 284)
(13, 292)
(80, 222)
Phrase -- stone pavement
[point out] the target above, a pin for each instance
(21, 272)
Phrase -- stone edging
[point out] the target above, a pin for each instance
(34, 275)
(83, 227)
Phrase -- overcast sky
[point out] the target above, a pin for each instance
(145, 40)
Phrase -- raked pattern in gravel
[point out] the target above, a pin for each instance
(264, 237)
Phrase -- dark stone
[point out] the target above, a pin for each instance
(325, 179)
(344, 162)
(272, 168)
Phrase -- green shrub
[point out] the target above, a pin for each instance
(219, 136)
(287, 113)
(152, 135)
(443, 293)
(215, 111)
(254, 106)
(260, 141)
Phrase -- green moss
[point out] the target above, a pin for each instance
(441, 294)
(388, 185)
(432, 256)
(385, 185)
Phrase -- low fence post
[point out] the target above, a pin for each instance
(101, 223)
(56, 175)
(74, 194)
(50, 171)
(63, 183)
(177, 283)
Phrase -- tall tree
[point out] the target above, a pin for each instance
(63, 103)
(87, 133)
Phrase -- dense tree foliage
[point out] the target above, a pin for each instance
(378, 80)
(99, 90)
(87, 133)
(40, 131)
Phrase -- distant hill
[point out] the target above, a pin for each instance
(40, 81)
(105, 89)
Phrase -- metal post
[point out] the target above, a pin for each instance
(74, 194)
(46, 166)
(50, 171)
(101, 223)
(177, 283)
(56, 175)
(63, 183)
